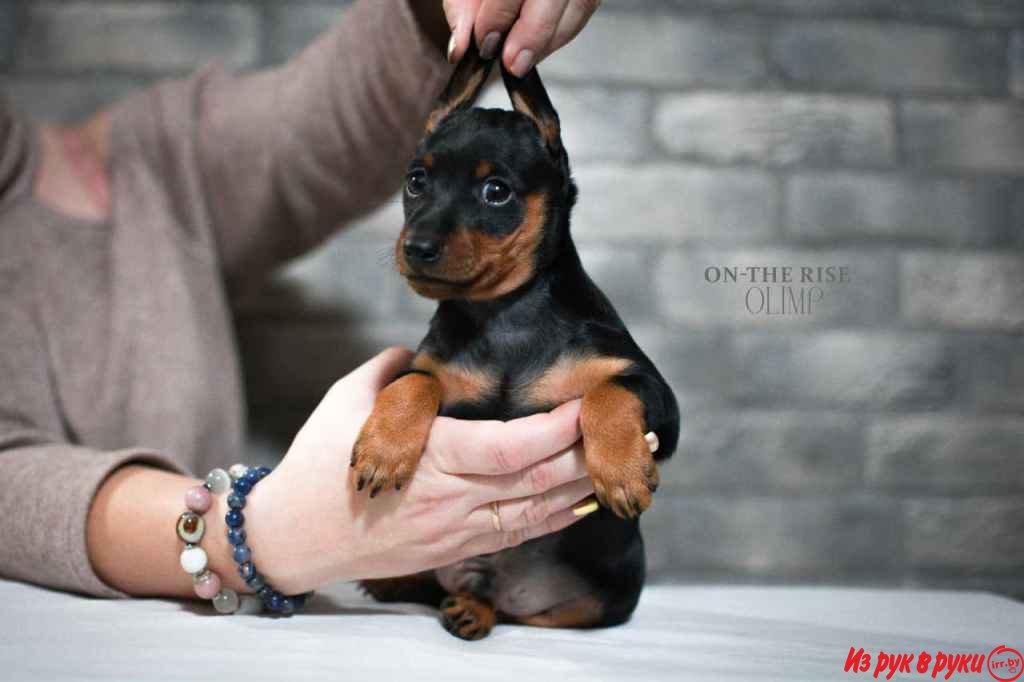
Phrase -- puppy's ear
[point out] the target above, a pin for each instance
(467, 81)
(529, 97)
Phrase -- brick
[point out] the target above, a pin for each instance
(994, 371)
(345, 279)
(292, 27)
(942, 453)
(782, 129)
(695, 363)
(598, 123)
(830, 207)
(843, 368)
(676, 51)
(766, 536)
(1017, 64)
(766, 451)
(972, 535)
(137, 36)
(980, 135)
(290, 367)
(890, 58)
(686, 295)
(673, 202)
(965, 291)
(65, 99)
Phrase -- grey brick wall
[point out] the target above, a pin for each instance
(878, 439)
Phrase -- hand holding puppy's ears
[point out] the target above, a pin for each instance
(529, 97)
(463, 88)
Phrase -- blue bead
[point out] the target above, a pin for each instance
(242, 554)
(252, 475)
(264, 472)
(246, 570)
(299, 600)
(287, 606)
(256, 582)
(242, 486)
(236, 501)
(236, 536)
(234, 519)
(275, 601)
(265, 592)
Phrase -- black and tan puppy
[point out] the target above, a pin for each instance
(520, 329)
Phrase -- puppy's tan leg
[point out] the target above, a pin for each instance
(467, 617)
(618, 457)
(584, 612)
(392, 440)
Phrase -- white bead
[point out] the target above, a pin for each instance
(194, 560)
(236, 471)
(249, 605)
(226, 601)
(218, 481)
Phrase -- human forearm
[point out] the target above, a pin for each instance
(131, 539)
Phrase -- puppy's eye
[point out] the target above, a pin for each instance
(496, 192)
(416, 182)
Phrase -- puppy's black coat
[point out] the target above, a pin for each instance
(520, 328)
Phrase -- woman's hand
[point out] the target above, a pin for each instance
(533, 29)
(308, 527)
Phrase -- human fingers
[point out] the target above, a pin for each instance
(461, 15)
(535, 479)
(494, 447)
(493, 21)
(577, 14)
(495, 541)
(529, 40)
(524, 512)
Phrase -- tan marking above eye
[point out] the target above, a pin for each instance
(569, 378)
(483, 169)
(459, 384)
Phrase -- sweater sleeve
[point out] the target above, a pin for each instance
(288, 155)
(48, 484)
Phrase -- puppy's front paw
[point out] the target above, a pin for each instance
(382, 458)
(623, 473)
(467, 617)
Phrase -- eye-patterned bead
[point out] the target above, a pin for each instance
(191, 528)
(194, 560)
(237, 471)
(226, 601)
(218, 481)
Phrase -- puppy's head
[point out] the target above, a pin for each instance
(488, 194)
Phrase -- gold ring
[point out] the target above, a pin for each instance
(495, 517)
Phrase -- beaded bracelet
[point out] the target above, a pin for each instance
(194, 560)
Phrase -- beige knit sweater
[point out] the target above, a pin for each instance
(116, 341)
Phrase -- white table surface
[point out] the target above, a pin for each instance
(677, 633)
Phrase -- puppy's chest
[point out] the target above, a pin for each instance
(496, 391)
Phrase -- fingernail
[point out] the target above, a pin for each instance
(652, 441)
(522, 63)
(490, 45)
(587, 506)
(451, 47)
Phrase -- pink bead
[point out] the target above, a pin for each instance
(198, 499)
(207, 586)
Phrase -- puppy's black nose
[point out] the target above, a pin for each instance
(422, 250)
